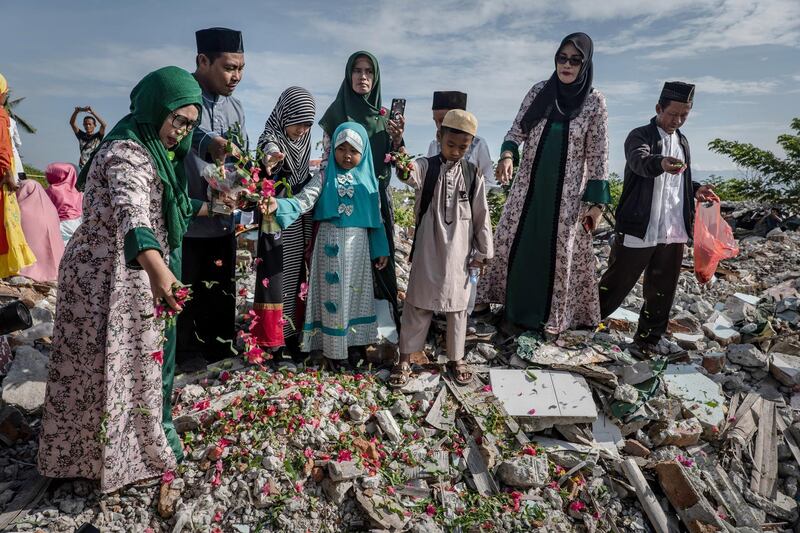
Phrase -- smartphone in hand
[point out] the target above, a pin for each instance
(398, 108)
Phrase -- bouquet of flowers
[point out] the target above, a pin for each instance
(240, 175)
(402, 162)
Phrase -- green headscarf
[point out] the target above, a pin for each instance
(365, 109)
(156, 96)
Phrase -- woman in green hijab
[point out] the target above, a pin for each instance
(359, 100)
(103, 408)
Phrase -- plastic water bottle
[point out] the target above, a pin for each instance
(473, 288)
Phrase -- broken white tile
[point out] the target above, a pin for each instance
(607, 435)
(720, 328)
(747, 298)
(700, 395)
(553, 397)
(424, 381)
(688, 337)
(625, 315)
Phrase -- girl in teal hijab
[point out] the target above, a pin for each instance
(340, 314)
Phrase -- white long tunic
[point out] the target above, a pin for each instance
(666, 224)
(453, 232)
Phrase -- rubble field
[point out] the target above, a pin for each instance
(576, 434)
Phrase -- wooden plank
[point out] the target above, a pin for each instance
(436, 415)
(646, 496)
(764, 476)
(789, 438)
(745, 425)
(484, 482)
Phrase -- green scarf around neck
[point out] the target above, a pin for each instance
(153, 99)
(365, 109)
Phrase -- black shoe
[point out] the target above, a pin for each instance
(188, 363)
(356, 355)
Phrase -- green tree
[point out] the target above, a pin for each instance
(777, 179)
(21, 122)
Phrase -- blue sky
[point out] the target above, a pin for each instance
(741, 54)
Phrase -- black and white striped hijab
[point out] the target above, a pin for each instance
(295, 106)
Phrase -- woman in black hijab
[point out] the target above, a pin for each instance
(543, 270)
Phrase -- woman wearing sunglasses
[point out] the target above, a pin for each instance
(543, 270)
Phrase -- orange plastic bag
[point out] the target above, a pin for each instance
(713, 241)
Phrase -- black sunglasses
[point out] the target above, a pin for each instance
(180, 122)
(575, 61)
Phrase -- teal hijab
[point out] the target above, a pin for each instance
(356, 188)
(364, 109)
(152, 100)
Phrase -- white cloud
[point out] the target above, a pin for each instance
(714, 85)
(706, 25)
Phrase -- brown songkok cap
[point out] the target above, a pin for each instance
(449, 100)
(219, 40)
(677, 91)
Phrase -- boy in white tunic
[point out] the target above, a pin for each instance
(453, 235)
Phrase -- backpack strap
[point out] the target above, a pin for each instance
(470, 173)
(431, 177)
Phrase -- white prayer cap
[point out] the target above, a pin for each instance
(350, 137)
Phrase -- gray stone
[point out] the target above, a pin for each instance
(344, 471)
(788, 469)
(34, 333)
(272, 463)
(71, 506)
(626, 393)
(524, 472)
(25, 383)
(747, 355)
(487, 350)
(336, 492)
(357, 413)
(388, 425)
(785, 368)
(42, 312)
(400, 409)
(371, 482)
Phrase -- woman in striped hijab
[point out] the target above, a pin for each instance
(281, 271)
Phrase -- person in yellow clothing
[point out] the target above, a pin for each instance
(14, 251)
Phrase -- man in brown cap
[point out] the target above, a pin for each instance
(452, 241)
(655, 216)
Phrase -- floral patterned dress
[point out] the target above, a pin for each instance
(102, 412)
(565, 164)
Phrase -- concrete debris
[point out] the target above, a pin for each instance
(578, 433)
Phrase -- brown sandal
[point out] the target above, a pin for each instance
(401, 373)
(460, 371)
